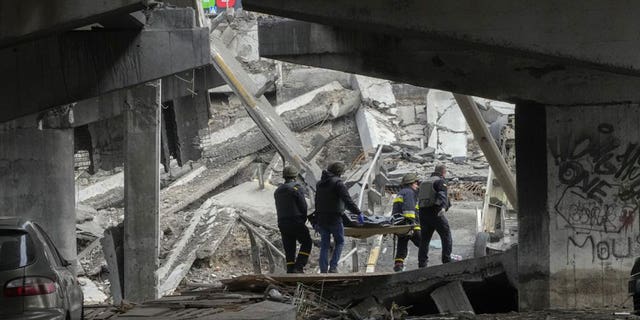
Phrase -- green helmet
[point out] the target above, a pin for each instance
(290, 172)
(409, 178)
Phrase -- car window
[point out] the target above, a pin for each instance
(16, 249)
(52, 248)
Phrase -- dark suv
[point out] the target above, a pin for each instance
(36, 281)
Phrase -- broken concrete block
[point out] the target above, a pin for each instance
(498, 106)
(404, 91)
(451, 298)
(428, 151)
(306, 98)
(102, 187)
(92, 294)
(85, 213)
(407, 115)
(373, 130)
(375, 92)
(296, 81)
(344, 105)
(449, 133)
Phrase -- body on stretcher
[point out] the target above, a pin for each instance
(373, 225)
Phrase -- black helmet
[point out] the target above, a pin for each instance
(290, 172)
(336, 168)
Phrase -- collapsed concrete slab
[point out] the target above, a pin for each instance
(296, 80)
(244, 137)
(449, 133)
(375, 92)
(373, 129)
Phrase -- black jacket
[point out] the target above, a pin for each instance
(290, 203)
(332, 197)
(442, 196)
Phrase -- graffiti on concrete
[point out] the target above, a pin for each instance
(599, 181)
(604, 249)
(598, 188)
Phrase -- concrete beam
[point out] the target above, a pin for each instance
(569, 34)
(184, 84)
(444, 65)
(83, 64)
(142, 193)
(29, 19)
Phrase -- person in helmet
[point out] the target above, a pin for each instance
(405, 207)
(332, 198)
(291, 207)
(432, 215)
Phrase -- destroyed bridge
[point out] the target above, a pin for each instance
(133, 84)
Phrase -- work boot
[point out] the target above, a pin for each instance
(298, 270)
(398, 267)
(333, 270)
(291, 268)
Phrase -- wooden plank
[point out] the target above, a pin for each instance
(451, 298)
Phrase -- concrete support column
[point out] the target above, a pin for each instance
(579, 188)
(191, 115)
(142, 192)
(533, 216)
(37, 181)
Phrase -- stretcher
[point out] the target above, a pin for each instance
(365, 232)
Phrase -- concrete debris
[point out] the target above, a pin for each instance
(85, 213)
(373, 129)
(92, 294)
(451, 298)
(449, 133)
(377, 93)
(306, 97)
(244, 137)
(208, 206)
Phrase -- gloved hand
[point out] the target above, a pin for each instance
(361, 219)
(441, 212)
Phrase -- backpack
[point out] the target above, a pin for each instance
(427, 195)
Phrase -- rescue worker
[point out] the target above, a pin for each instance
(332, 198)
(406, 207)
(432, 215)
(291, 207)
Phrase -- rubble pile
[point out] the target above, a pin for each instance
(214, 211)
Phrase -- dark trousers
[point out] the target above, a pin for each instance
(430, 222)
(403, 243)
(291, 235)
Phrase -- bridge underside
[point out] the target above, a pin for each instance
(574, 83)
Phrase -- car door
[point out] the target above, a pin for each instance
(73, 296)
(16, 253)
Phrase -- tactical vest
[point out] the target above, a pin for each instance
(427, 195)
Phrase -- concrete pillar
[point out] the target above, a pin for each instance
(583, 164)
(37, 180)
(142, 192)
(191, 115)
(533, 217)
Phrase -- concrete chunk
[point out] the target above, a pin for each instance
(373, 130)
(449, 133)
(375, 92)
(451, 298)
